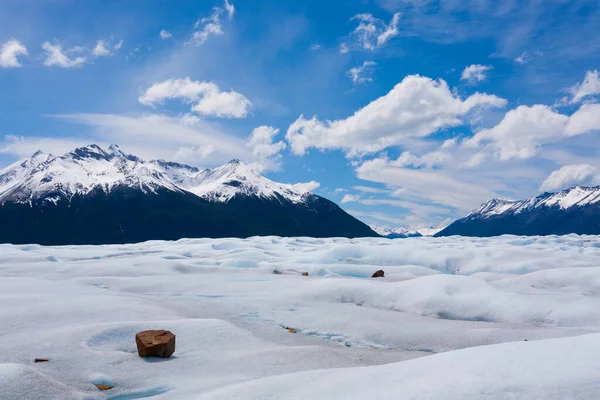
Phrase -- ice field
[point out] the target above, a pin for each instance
(454, 318)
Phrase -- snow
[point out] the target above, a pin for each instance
(576, 196)
(448, 321)
(387, 231)
(88, 168)
(223, 183)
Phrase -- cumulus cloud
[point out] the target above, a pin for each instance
(100, 50)
(584, 120)
(475, 73)
(589, 87)
(363, 73)
(522, 131)
(371, 33)
(222, 104)
(261, 142)
(416, 107)
(9, 53)
(55, 56)
(164, 34)
(211, 26)
(568, 176)
(208, 99)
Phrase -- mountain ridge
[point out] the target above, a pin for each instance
(128, 199)
(573, 210)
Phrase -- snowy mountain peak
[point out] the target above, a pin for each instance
(91, 167)
(237, 178)
(394, 233)
(574, 197)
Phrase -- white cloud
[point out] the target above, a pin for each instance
(264, 149)
(9, 53)
(523, 58)
(118, 45)
(475, 73)
(526, 57)
(261, 142)
(584, 120)
(101, 50)
(589, 87)
(568, 176)
(164, 34)
(522, 131)
(223, 104)
(350, 198)
(339, 190)
(369, 189)
(431, 187)
(428, 160)
(208, 98)
(230, 9)
(194, 152)
(21, 146)
(371, 33)
(315, 46)
(363, 73)
(211, 26)
(416, 107)
(185, 88)
(306, 186)
(55, 56)
(190, 139)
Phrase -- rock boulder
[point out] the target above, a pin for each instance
(156, 343)
(378, 274)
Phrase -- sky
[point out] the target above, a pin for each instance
(405, 112)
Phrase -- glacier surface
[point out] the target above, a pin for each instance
(454, 318)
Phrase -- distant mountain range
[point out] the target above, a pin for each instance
(98, 196)
(575, 210)
(395, 233)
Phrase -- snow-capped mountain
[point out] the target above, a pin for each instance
(395, 233)
(44, 176)
(95, 195)
(575, 210)
(232, 179)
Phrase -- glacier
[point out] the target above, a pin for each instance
(454, 318)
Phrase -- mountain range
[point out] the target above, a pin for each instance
(575, 210)
(395, 233)
(98, 196)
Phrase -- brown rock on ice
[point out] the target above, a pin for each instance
(155, 343)
(378, 274)
(103, 387)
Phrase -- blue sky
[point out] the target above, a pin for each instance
(404, 112)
